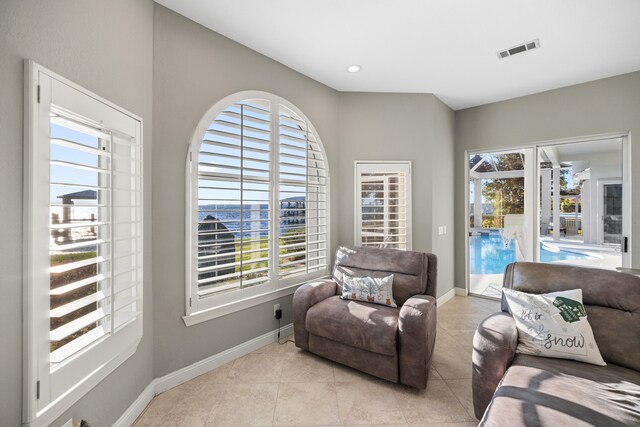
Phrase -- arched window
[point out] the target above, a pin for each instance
(257, 201)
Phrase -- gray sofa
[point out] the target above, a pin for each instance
(395, 344)
(515, 389)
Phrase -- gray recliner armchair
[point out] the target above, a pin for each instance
(395, 344)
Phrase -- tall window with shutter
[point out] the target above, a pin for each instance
(257, 185)
(84, 238)
(383, 204)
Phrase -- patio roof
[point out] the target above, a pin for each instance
(80, 195)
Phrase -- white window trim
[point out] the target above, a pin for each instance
(381, 165)
(32, 320)
(201, 311)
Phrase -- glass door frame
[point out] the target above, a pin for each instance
(532, 194)
(601, 209)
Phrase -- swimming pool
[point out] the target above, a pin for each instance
(487, 254)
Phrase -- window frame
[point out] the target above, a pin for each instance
(202, 309)
(381, 166)
(43, 402)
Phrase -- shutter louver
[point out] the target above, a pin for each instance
(302, 198)
(95, 218)
(234, 206)
(383, 216)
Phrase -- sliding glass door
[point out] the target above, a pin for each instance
(584, 180)
(563, 203)
(500, 214)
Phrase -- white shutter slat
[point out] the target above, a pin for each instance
(81, 224)
(77, 304)
(79, 147)
(67, 350)
(231, 140)
(234, 264)
(75, 125)
(75, 265)
(74, 326)
(82, 244)
(79, 166)
(248, 117)
(76, 285)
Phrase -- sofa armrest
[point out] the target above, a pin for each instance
(304, 298)
(494, 347)
(416, 336)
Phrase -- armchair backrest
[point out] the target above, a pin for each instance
(611, 299)
(414, 273)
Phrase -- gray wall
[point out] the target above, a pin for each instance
(602, 106)
(193, 69)
(416, 127)
(106, 47)
(443, 193)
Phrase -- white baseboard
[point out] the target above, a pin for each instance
(187, 373)
(205, 365)
(446, 297)
(461, 292)
(137, 407)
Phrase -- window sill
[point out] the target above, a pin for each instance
(232, 307)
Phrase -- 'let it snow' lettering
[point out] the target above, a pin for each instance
(563, 341)
(529, 315)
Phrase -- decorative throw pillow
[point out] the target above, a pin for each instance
(553, 325)
(377, 290)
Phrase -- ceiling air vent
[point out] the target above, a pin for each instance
(534, 44)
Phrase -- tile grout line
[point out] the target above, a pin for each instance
(473, 418)
(275, 405)
(335, 391)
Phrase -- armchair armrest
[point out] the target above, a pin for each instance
(304, 298)
(416, 336)
(494, 347)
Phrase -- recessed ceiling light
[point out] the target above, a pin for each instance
(354, 68)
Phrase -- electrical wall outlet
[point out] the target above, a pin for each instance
(276, 307)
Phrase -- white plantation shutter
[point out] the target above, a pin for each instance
(234, 207)
(257, 197)
(383, 205)
(302, 197)
(84, 238)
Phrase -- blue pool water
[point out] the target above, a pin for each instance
(487, 254)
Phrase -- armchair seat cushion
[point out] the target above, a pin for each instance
(343, 320)
(544, 391)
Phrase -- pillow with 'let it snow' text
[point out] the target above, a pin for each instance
(553, 325)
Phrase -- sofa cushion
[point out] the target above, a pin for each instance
(358, 324)
(543, 391)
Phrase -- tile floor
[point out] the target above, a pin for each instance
(280, 385)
